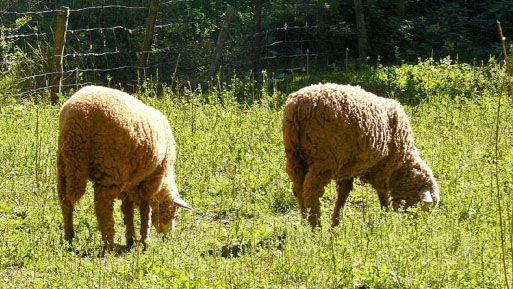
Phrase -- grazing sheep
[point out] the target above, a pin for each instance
(339, 132)
(127, 150)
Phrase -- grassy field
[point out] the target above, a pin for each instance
(245, 230)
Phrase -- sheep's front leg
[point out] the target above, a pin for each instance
(313, 189)
(343, 189)
(383, 184)
(145, 212)
(104, 206)
(383, 198)
(128, 211)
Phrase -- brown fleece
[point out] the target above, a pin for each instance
(339, 132)
(125, 148)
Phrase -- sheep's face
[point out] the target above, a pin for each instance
(164, 216)
(410, 186)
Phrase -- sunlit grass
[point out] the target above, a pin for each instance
(245, 230)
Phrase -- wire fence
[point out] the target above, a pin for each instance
(109, 52)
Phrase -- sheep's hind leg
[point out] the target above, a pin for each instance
(127, 207)
(296, 169)
(104, 207)
(343, 189)
(71, 182)
(67, 218)
(297, 190)
(313, 189)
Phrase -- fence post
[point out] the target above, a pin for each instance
(59, 40)
(220, 43)
(258, 36)
(150, 32)
(360, 29)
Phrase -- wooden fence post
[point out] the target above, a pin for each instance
(59, 40)
(150, 32)
(360, 28)
(220, 43)
(258, 37)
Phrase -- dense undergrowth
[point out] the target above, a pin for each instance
(245, 230)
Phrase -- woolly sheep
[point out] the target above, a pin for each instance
(127, 150)
(339, 132)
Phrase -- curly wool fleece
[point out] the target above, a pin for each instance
(339, 132)
(127, 150)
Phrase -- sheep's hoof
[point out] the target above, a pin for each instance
(314, 222)
(69, 236)
(109, 245)
(129, 243)
(335, 221)
(143, 243)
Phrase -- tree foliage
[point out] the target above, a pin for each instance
(398, 31)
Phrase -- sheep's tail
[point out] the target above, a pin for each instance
(296, 163)
(72, 168)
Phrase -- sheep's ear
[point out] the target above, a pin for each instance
(181, 203)
(426, 199)
(425, 195)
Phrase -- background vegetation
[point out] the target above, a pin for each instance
(103, 43)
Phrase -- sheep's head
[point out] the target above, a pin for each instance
(414, 184)
(164, 214)
(165, 208)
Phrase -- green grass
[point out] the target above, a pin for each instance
(245, 230)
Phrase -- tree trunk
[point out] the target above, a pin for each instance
(400, 10)
(360, 27)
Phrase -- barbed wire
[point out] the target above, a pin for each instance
(107, 7)
(285, 27)
(164, 25)
(94, 54)
(130, 30)
(289, 41)
(88, 8)
(73, 31)
(28, 12)
(25, 35)
(32, 91)
(79, 9)
(290, 56)
(176, 1)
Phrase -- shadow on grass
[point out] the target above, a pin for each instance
(100, 251)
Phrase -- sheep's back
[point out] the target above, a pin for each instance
(127, 139)
(342, 127)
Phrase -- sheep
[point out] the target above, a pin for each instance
(127, 150)
(339, 132)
